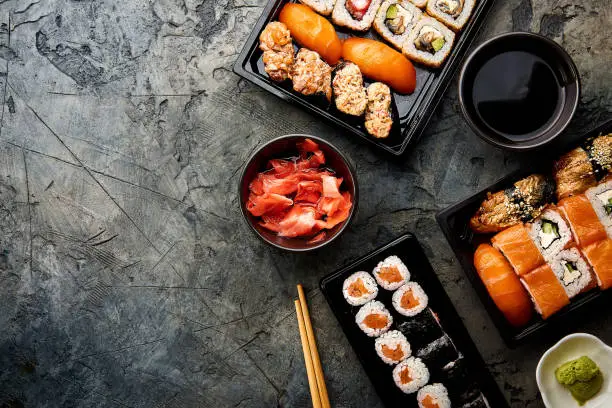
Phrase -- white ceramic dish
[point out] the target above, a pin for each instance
(570, 348)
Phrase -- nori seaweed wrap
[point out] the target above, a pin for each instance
(421, 329)
(460, 384)
(439, 353)
(479, 402)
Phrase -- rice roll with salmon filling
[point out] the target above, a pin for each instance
(551, 233)
(419, 3)
(601, 200)
(453, 13)
(359, 288)
(410, 375)
(422, 329)
(391, 273)
(599, 256)
(518, 248)
(392, 347)
(573, 272)
(349, 93)
(546, 291)
(439, 352)
(395, 19)
(433, 396)
(429, 42)
(583, 220)
(410, 299)
(355, 14)
(323, 7)
(379, 116)
(373, 318)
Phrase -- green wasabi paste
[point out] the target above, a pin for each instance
(582, 377)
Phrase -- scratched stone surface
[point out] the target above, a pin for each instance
(128, 277)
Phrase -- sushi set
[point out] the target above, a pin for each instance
(351, 62)
(537, 245)
(406, 332)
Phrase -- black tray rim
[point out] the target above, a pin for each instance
(416, 126)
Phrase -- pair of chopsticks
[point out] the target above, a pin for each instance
(314, 370)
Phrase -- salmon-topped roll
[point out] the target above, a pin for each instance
(503, 285)
(518, 247)
(599, 256)
(584, 222)
(546, 291)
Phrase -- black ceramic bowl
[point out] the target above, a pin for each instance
(538, 62)
(283, 147)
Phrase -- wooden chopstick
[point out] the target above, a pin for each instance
(312, 381)
(314, 352)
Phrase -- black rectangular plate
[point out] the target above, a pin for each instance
(410, 252)
(454, 222)
(414, 110)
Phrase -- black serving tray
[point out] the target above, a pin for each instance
(408, 249)
(454, 222)
(414, 110)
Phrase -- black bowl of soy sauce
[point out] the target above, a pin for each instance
(519, 90)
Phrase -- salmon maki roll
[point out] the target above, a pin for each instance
(599, 256)
(503, 285)
(518, 247)
(584, 223)
(546, 291)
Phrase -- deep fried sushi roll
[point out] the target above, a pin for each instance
(573, 173)
(453, 13)
(275, 42)
(355, 14)
(349, 93)
(379, 116)
(429, 42)
(395, 19)
(311, 75)
(600, 152)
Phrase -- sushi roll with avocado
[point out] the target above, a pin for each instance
(395, 19)
(359, 288)
(355, 14)
(429, 42)
(410, 299)
(453, 13)
(601, 200)
(410, 375)
(551, 233)
(379, 114)
(573, 272)
(433, 395)
(349, 93)
(392, 347)
(373, 318)
(391, 273)
(323, 7)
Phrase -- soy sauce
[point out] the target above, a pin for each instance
(517, 93)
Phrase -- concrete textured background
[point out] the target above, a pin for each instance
(127, 276)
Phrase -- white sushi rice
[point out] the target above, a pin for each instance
(599, 196)
(379, 23)
(342, 17)
(574, 282)
(392, 339)
(547, 243)
(438, 394)
(373, 308)
(417, 292)
(432, 60)
(391, 262)
(418, 373)
(456, 23)
(368, 283)
(323, 7)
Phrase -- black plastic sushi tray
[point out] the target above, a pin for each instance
(458, 365)
(454, 222)
(414, 110)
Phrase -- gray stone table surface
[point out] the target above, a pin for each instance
(128, 277)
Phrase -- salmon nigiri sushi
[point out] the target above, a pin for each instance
(503, 285)
(583, 220)
(599, 256)
(545, 290)
(518, 247)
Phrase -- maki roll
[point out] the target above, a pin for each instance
(583, 220)
(546, 291)
(599, 256)
(601, 200)
(422, 329)
(349, 93)
(439, 352)
(275, 42)
(355, 14)
(323, 7)
(600, 153)
(391, 273)
(453, 13)
(311, 75)
(574, 173)
(573, 272)
(378, 118)
(461, 385)
(373, 318)
(392, 347)
(359, 288)
(518, 248)
(419, 3)
(433, 396)
(429, 42)
(551, 233)
(410, 299)
(395, 19)
(410, 375)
